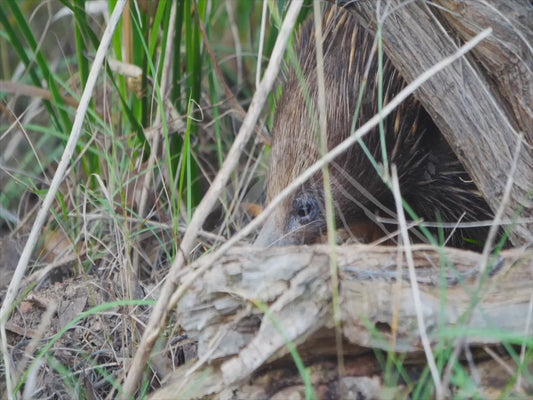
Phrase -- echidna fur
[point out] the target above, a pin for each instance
(432, 180)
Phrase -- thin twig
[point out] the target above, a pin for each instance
(236, 40)
(262, 35)
(18, 89)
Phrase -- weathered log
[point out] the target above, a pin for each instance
(482, 103)
(506, 56)
(236, 340)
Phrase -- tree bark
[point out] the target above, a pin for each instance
(484, 102)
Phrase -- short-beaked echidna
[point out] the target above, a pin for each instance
(432, 180)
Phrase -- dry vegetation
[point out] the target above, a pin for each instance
(120, 258)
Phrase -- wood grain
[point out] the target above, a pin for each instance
(482, 103)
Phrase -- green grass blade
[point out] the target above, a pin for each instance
(66, 123)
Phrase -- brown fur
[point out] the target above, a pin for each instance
(432, 180)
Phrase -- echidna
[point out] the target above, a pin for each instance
(432, 180)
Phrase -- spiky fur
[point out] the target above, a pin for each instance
(432, 180)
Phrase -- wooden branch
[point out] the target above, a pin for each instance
(480, 108)
(507, 56)
(237, 340)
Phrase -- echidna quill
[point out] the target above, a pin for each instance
(432, 180)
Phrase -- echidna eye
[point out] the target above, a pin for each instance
(307, 210)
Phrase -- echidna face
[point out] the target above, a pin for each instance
(299, 220)
(305, 221)
(295, 143)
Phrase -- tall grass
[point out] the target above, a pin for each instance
(109, 219)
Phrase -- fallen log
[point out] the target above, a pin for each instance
(252, 305)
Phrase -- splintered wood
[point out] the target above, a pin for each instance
(244, 353)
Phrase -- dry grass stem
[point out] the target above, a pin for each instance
(328, 195)
(160, 312)
(439, 389)
(261, 44)
(159, 118)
